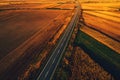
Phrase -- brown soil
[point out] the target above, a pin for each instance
(18, 60)
(19, 25)
(27, 6)
(34, 67)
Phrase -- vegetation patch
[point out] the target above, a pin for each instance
(106, 57)
(77, 65)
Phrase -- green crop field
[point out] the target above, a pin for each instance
(107, 58)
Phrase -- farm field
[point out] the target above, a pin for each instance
(30, 31)
(26, 29)
(99, 34)
(93, 52)
(14, 26)
(103, 17)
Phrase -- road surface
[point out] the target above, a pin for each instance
(52, 63)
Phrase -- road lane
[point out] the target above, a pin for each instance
(49, 69)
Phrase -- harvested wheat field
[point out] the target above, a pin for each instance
(103, 17)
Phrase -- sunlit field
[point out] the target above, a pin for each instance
(27, 28)
(102, 21)
(31, 30)
(103, 17)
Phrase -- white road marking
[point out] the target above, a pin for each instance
(62, 44)
(53, 61)
(46, 74)
(58, 50)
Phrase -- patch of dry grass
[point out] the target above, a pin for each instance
(85, 68)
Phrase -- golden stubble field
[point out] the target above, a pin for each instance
(104, 17)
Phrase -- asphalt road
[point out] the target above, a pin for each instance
(52, 63)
